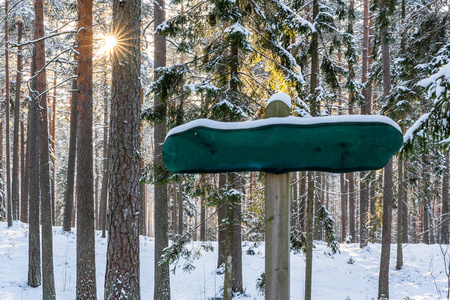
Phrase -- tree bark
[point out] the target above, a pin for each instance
(122, 278)
(48, 279)
(344, 210)
(309, 237)
(15, 171)
(180, 207)
(25, 158)
(70, 185)
(34, 244)
(221, 215)
(444, 217)
(2, 178)
(10, 205)
(52, 154)
(86, 278)
(105, 177)
(401, 204)
(238, 287)
(202, 210)
(383, 283)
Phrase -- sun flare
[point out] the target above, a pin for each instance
(109, 42)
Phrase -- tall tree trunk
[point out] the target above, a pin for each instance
(238, 287)
(15, 172)
(180, 206)
(221, 214)
(48, 279)
(52, 155)
(70, 185)
(344, 209)
(34, 244)
(309, 237)
(25, 159)
(105, 176)
(10, 205)
(401, 204)
(351, 207)
(445, 212)
(303, 189)
(122, 278)
(86, 277)
(294, 202)
(383, 283)
(2, 177)
(162, 278)
(202, 210)
(142, 189)
(363, 186)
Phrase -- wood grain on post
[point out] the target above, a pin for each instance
(277, 222)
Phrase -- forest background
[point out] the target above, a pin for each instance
(219, 60)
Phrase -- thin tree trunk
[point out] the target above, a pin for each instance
(309, 237)
(122, 280)
(344, 200)
(86, 278)
(10, 205)
(294, 202)
(105, 177)
(15, 172)
(52, 155)
(2, 177)
(180, 207)
(303, 200)
(25, 158)
(48, 279)
(351, 207)
(383, 283)
(221, 214)
(162, 279)
(445, 212)
(70, 185)
(238, 287)
(202, 210)
(34, 244)
(401, 204)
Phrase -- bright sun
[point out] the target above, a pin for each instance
(109, 42)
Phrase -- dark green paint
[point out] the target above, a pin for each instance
(280, 148)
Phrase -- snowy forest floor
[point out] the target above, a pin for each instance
(352, 274)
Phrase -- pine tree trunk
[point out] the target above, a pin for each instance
(383, 283)
(344, 198)
(70, 185)
(162, 278)
(34, 243)
(221, 214)
(15, 172)
(105, 177)
(180, 207)
(2, 177)
(303, 200)
(401, 204)
(25, 159)
(238, 287)
(444, 216)
(202, 210)
(48, 279)
(10, 205)
(86, 278)
(122, 278)
(309, 237)
(52, 146)
(351, 207)
(373, 203)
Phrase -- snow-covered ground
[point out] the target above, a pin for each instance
(352, 274)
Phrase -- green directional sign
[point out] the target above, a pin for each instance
(279, 145)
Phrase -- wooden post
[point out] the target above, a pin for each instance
(277, 222)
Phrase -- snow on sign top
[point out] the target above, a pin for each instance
(280, 97)
(279, 145)
(282, 121)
